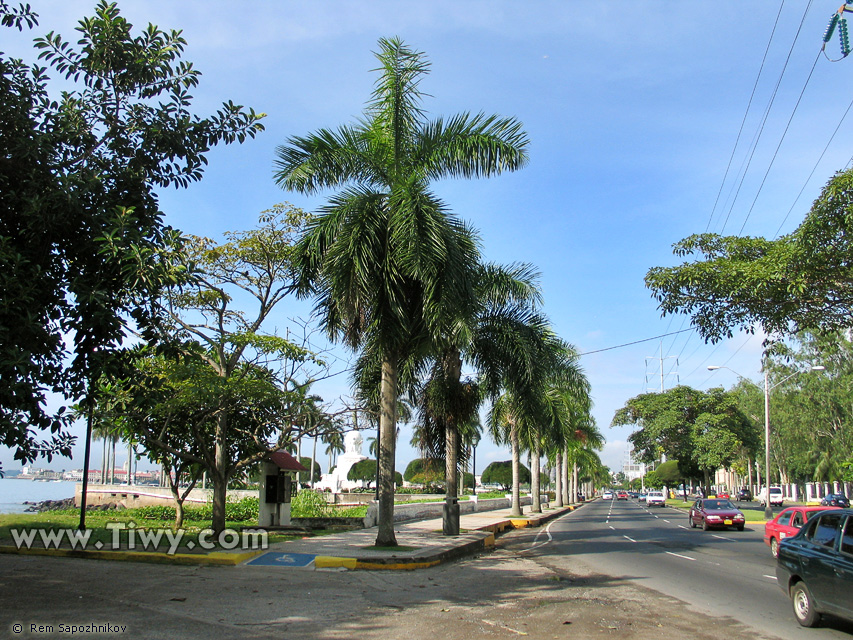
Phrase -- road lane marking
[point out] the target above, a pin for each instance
(771, 577)
(681, 526)
(631, 539)
(713, 535)
(667, 521)
(657, 516)
(678, 555)
(612, 527)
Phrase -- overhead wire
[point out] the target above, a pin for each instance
(778, 146)
(746, 113)
(814, 168)
(763, 123)
(628, 344)
(753, 146)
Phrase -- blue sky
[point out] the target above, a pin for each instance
(632, 109)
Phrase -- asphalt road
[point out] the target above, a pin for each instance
(726, 574)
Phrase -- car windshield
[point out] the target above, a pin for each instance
(718, 505)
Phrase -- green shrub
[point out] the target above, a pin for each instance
(311, 504)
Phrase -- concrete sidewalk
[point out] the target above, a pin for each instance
(421, 543)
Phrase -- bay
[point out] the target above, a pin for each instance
(14, 492)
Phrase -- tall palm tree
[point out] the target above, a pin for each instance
(384, 257)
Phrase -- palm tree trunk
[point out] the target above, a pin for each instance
(516, 470)
(575, 490)
(113, 461)
(558, 479)
(566, 499)
(104, 462)
(388, 440)
(536, 507)
(313, 461)
(450, 514)
(220, 475)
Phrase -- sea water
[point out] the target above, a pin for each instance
(14, 492)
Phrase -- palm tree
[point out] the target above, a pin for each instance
(384, 257)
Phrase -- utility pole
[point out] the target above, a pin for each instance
(657, 371)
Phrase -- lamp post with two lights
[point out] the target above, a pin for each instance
(768, 509)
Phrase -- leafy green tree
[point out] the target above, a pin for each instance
(798, 282)
(365, 471)
(425, 471)
(315, 476)
(669, 473)
(653, 480)
(502, 473)
(384, 258)
(703, 430)
(81, 158)
(255, 266)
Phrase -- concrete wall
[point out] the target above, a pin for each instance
(147, 496)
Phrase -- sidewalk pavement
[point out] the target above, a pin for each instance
(421, 543)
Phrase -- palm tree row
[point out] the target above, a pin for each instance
(400, 279)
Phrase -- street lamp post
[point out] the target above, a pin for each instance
(768, 509)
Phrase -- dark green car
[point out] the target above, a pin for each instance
(815, 567)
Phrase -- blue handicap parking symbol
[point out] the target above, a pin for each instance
(278, 559)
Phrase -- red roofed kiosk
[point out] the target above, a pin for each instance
(276, 488)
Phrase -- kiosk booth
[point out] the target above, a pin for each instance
(277, 480)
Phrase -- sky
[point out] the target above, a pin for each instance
(648, 122)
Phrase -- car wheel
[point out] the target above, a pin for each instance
(705, 526)
(803, 604)
(692, 523)
(740, 527)
(774, 547)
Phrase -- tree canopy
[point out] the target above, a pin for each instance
(81, 157)
(501, 473)
(703, 430)
(799, 281)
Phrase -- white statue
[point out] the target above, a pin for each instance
(352, 444)
(337, 480)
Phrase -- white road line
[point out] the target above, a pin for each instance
(678, 555)
(612, 527)
(771, 577)
(722, 537)
(657, 516)
(681, 526)
(665, 520)
(627, 538)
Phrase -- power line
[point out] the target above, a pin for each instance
(746, 113)
(628, 344)
(814, 168)
(781, 140)
(748, 160)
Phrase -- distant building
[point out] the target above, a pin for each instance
(631, 468)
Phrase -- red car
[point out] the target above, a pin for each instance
(622, 495)
(715, 512)
(787, 524)
(723, 494)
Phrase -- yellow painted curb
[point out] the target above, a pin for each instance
(218, 558)
(520, 524)
(490, 541)
(327, 562)
(410, 566)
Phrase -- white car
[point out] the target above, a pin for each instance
(656, 498)
(607, 495)
(776, 497)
